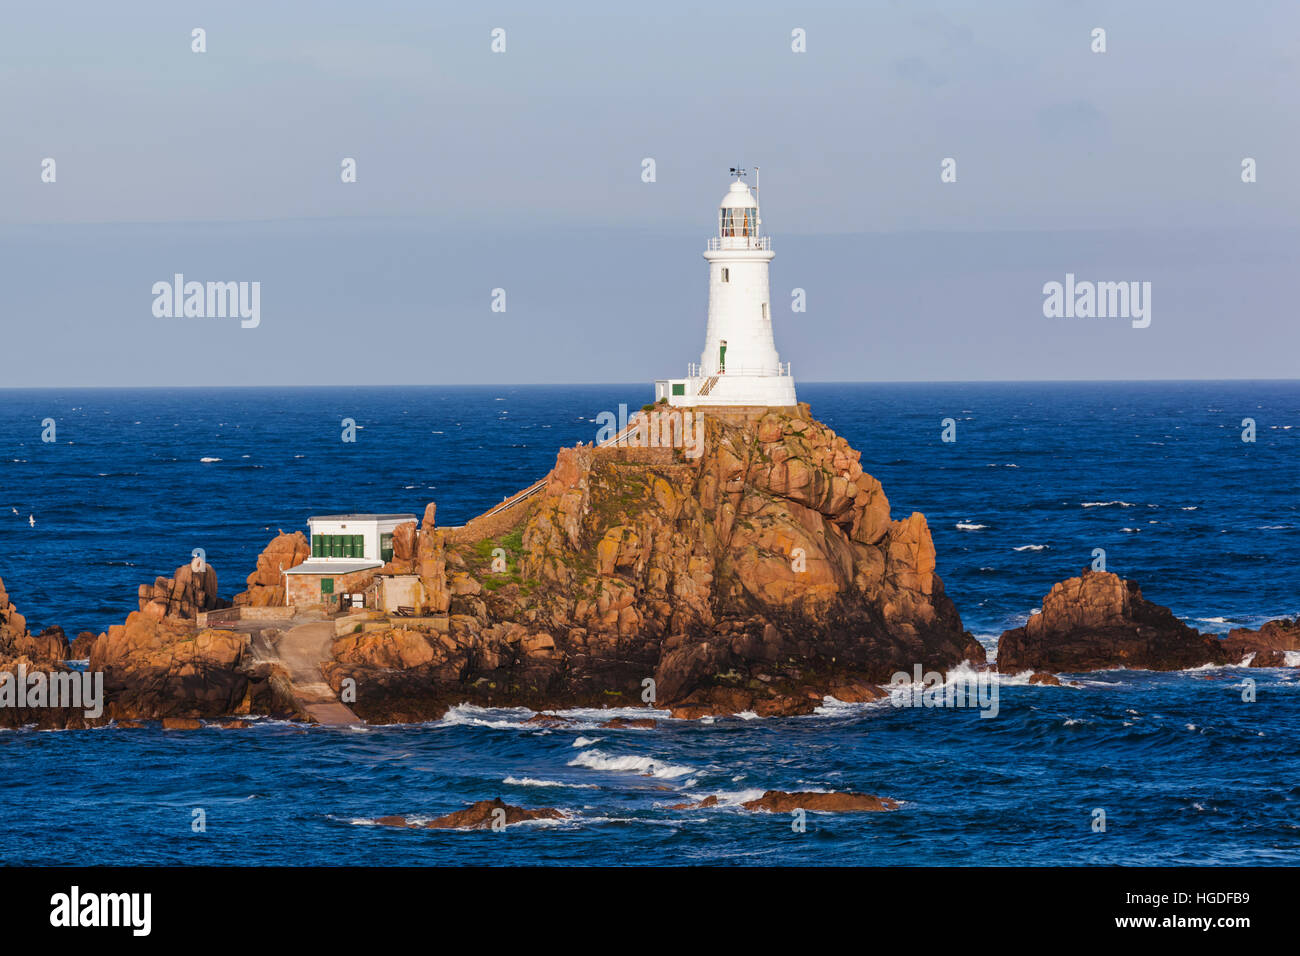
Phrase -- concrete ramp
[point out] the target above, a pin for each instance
(301, 650)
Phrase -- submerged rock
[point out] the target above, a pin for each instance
(709, 801)
(778, 801)
(550, 720)
(477, 816)
(180, 723)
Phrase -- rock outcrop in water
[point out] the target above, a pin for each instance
(1269, 645)
(24, 653)
(49, 646)
(1098, 621)
(160, 664)
(762, 575)
(778, 801)
(168, 667)
(477, 816)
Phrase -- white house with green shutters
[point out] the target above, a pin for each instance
(341, 545)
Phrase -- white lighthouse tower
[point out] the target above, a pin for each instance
(739, 364)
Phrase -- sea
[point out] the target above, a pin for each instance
(102, 490)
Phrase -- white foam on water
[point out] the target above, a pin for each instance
(498, 718)
(599, 715)
(969, 526)
(534, 782)
(209, 460)
(726, 798)
(1032, 547)
(646, 766)
(1020, 679)
(1207, 667)
(834, 707)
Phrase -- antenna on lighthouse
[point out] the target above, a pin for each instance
(758, 214)
(737, 171)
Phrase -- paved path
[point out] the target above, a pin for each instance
(302, 649)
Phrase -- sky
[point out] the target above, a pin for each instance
(523, 170)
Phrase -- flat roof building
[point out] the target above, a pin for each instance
(341, 545)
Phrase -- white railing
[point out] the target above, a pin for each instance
(695, 370)
(739, 242)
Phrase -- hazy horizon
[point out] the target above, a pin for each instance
(522, 171)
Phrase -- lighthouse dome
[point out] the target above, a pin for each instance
(739, 196)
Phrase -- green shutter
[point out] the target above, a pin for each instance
(359, 545)
(385, 547)
(315, 546)
(679, 388)
(326, 585)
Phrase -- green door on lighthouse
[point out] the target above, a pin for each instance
(722, 356)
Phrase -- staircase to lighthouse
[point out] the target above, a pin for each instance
(739, 365)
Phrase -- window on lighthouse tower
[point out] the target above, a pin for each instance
(738, 221)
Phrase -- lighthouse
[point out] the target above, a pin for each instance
(739, 364)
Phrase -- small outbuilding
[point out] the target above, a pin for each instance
(345, 551)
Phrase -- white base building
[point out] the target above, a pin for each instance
(341, 546)
(739, 365)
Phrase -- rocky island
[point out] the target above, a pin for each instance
(762, 576)
(1098, 621)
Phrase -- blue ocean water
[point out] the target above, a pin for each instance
(1040, 475)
